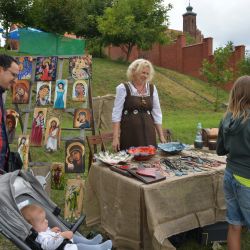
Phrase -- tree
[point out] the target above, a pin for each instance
(86, 23)
(218, 72)
(128, 23)
(57, 16)
(244, 66)
(14, 11)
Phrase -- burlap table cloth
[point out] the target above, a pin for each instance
(141, 216)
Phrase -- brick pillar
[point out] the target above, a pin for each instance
(180, 43)
(239, 52)
(207, 47)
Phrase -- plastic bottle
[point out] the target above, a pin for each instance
(198, 143)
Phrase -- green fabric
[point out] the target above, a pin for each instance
(242, 180)
(48, 44)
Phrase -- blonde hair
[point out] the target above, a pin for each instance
(239, 100)
(137, 66)
(32, 213)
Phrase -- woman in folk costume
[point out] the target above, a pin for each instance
(137, 113)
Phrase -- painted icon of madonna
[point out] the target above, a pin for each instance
(82, 118)
(75, 155)
(79, 91)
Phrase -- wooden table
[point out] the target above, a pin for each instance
(141, 216)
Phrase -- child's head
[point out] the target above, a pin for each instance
(239, 100)
(36, 216)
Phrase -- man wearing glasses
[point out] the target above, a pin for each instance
(8, 76)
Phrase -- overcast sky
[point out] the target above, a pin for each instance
(223, 20)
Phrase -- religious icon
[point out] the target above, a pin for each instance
(21, 90)
(57, 176)
(25, 67)
(11, 124)
(75, 155)
(46, 68)
(80, 67)
(52, 135)
(79, 91)
(73, 199)
(43, 93)
(82, 118)
(23, 150)
(38, 125)
(60, 94)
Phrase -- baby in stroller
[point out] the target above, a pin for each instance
(51, 239)
(20, 189)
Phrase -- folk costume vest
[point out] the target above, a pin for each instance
(137, 123)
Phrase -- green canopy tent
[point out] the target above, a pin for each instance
(36, 42)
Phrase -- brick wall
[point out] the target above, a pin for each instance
(178, 56)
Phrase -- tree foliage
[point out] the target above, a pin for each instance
(244, 66)
(56, 16)
(86, 23)
(14, 11)
(128, 23)
(88, 12)
(218, 72)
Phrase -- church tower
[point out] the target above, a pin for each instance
(189, 24)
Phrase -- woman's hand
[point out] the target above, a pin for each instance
(116, 144)
(160, 133)
(162, 139)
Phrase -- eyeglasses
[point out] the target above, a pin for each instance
(15, 75)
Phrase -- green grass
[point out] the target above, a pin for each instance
(183, 102)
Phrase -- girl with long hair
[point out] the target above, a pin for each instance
(233, 141)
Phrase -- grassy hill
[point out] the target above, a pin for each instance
(185, 100)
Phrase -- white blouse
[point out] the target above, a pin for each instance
(120, 99)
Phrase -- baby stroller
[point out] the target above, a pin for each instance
(18, 189)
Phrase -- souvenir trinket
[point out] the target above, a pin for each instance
(113, 159)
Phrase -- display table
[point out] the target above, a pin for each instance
(143, 216)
